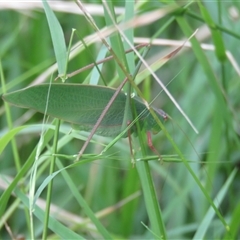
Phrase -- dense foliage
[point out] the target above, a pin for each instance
(196, 182)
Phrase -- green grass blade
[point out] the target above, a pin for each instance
(50, 186)
(94, 80)
(27, 165)
(151, 202)
(216, 35)
(223, 29)
(116, 41)
(10, 125)
(83, 203)
(57, 39)
(206, 222)
(234, 224)
(4, 140)
(129, 14)
(214, 143)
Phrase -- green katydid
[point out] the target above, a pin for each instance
(81, 105)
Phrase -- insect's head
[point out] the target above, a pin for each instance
(155, 128)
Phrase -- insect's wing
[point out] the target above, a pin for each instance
(78, 104)
(82, 105)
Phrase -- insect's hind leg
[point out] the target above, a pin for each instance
(151, 146)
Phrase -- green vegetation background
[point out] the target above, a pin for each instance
(204, 82)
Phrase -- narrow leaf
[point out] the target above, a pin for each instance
(57, 38)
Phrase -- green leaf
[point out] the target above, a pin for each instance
(216, 34)
(57, 38)
(9, 136)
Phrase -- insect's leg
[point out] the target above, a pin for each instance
(130, 145)
(150, 144)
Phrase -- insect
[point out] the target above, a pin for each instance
(81, 105)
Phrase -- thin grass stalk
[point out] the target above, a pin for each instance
(50, 186)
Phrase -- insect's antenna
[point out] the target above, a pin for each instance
(208, 176)
(186, 136)
(166, 85)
